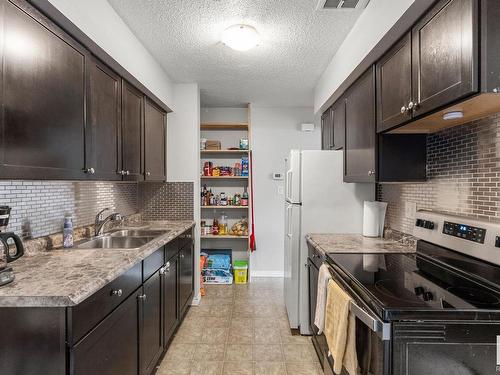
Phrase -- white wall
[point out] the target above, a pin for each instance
(101, 23)
(378, 17)
(275, 131)
(224, 115)
(183, 153)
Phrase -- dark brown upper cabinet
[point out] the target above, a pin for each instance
(155, 137)
(445, 57)
(394, 88)
(103, 135)
(132, 133)
(44, 87)
(360, 143)
(327, 130)
(338, 120)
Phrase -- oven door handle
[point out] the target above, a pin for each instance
(376, 325)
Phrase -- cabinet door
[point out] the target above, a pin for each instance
(170, 306)
(327, 130)
(42, 124)
(132, 132)
(103, 143)
(359, 151)
(445, 55)
(313, 293)
(185, 277)
(393, 75)
(154, 144)
(338, 121)
(111, 348)
(151, 335)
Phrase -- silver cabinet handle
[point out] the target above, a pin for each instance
(121, 173)
(403, 109)
(165, 269)
(142, 297)
(148, 173)
(127, 172)
(181, 255)
(371, 173)
(90, 170)
(117, 292)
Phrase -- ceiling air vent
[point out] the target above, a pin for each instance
(342, 4)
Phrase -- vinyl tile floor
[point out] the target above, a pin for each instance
(240, 330)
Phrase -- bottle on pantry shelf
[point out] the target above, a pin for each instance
(244, 198)
(244, 144)
(230, 201)
(211, 198)
(216, 172)
(202, 227)
(223, 199)
(237, 200)
(215, 227)
(68, 232)
(244, 166)
(223, 224)
(207, 168)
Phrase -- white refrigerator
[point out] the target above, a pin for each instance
(316, 201)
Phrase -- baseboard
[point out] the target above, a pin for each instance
(267, 274)
(196, 300)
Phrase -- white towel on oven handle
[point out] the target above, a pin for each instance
(319, 317)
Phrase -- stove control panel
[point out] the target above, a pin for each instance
(467, 232)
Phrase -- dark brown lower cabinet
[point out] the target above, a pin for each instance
(186, 273)
(170, 305)
(150, 324)
(111, 347)
(313, 272)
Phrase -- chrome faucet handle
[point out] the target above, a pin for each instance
(99, 215)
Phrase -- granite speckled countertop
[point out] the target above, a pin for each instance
(356, 243)
(61, 278)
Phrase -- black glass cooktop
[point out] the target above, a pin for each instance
(432, 280)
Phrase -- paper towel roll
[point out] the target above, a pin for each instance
(373, 218)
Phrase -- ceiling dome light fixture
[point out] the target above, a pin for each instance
(455, 115)
(240, 37)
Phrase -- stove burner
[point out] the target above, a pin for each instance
(475, 296)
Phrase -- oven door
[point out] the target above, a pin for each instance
(373, 337)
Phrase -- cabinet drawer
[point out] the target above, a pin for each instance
(171, 249)
(83, 317)
(153, 263)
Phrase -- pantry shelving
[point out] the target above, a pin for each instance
(234, 185)
(224, 207)
(223, 237)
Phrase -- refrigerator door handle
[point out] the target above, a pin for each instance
(289, 176)
(289, 220)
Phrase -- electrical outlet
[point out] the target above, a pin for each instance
(280, 190)
(410, 210)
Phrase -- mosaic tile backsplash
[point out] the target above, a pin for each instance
(463, 176)
(39, 207)
(167, 201)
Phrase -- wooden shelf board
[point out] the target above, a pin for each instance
(225, 177)
(224, 126)
(224, 207)
(222, 152)
(228, 237)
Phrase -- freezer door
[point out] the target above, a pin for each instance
(291, 266)
(292, 177)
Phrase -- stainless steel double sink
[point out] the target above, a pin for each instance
(122, 239)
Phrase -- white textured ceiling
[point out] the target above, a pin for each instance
(298, 42)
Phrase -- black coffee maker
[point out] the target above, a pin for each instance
(16, 245)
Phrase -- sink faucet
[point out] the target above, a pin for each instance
(100, 221)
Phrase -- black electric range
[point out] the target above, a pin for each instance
(432, 284)
(433, 311)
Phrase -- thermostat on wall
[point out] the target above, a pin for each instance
(307, 127)
(277, 176)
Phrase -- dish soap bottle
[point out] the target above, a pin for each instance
(68, 232)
